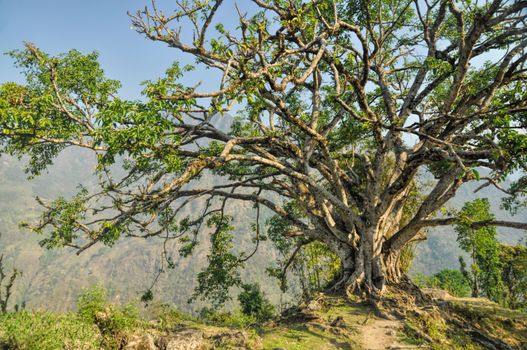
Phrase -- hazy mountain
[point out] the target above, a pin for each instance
(52, 279)
(441, 249)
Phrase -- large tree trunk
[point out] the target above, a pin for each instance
(365, 268)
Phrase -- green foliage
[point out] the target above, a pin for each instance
(279, 226)
(7, 282)
(234, 319)
(253, 302)
(518, 199)
(46, 331)
(67, 98)
(113, 321)
(33, 107)
(483, 248)
(222, 271)
(313, 263)
(67, 212)
(167, 315)
(318, 266)
(453, 281)
(514, 275)
(91, 301)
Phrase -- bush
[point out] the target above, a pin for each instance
(113, 321)
(97, 324)
(227, 319)
(254, 303)
(167, 315)
(452, 281)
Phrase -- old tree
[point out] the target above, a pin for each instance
(342, 105)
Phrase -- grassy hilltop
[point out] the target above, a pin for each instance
(325, 323)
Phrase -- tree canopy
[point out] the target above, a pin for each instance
(342, 105)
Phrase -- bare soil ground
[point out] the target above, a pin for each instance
(380, 334)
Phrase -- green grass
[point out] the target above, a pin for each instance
(99, 325)
(43, 331)
(505, 324)
(302, 336)
(487, 317)
(299, 337)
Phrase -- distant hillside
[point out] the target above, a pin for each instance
(441, 249)
(53, 279)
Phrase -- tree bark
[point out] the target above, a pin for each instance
(365, 268)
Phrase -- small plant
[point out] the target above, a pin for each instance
(168, 316)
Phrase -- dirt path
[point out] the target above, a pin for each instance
(379, 334)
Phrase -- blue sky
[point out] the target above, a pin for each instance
(59, 25)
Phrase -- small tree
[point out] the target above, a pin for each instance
(7, 281)
(253, 302)
(514, 275)
(483, 248)
(6, 285)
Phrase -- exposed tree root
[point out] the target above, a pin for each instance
(379, 310)
(407, 301)
(485, 340)
(431, 321)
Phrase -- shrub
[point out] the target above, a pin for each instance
(228, 319)
(43, 331)
(452, 281)
(91, 301)
(167, 315)
(113, 321)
